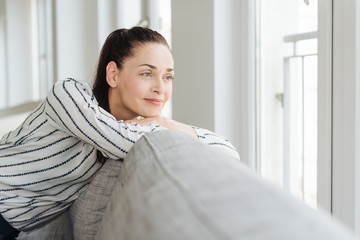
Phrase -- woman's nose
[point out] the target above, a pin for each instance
(158, 86)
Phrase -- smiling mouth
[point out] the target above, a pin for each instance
(154, 101)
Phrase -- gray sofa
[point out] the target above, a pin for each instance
(170, 186)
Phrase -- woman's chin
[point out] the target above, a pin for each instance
(151, 114)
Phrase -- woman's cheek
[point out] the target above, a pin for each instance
(169, 92)
(138, 87)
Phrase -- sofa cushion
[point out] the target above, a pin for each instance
(171, 186)
(58, 228)
(87, 211)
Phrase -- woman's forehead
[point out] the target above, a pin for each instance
(154, 54)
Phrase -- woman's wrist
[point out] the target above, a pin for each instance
(167, 123)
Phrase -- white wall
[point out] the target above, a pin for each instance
(193, 51)
(235, 75)
(213, 88)
(76, 39)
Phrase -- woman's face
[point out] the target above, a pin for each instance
(143, 85)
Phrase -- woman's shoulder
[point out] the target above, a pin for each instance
(71, 90)
(71, 85)
(70, 82)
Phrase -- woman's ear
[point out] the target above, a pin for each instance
(111, 74)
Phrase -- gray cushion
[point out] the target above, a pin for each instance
(171, 186)
(57, 229)
(87, 211)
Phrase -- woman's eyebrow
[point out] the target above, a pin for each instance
(154, 67)
(147, 65)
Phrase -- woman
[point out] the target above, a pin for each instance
(47, 161)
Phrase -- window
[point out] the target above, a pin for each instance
(287, 94)
(35, 43)
(26, 51)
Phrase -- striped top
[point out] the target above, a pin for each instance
(51, 157)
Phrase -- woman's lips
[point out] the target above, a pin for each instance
(154, 101)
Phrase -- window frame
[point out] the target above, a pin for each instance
(324, 158)
(345, 190)
(41, 55)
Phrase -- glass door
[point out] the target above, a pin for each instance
(287, 95)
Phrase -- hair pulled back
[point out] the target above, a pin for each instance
(119, 46)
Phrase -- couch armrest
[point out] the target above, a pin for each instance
(171, 186)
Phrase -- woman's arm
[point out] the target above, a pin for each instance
(215, 140)
(166, 123)
(71, 107)
(205, 136)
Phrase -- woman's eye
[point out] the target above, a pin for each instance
(147, 74)
(169, 78)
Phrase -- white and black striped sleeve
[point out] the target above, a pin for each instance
(212, 139)
(71, 108)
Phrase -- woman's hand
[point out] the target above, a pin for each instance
(166, 123)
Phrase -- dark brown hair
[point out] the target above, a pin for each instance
(119, 46)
